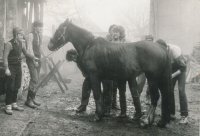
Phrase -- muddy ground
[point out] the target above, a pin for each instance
(57, 116)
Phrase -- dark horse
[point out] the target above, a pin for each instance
(120, 61)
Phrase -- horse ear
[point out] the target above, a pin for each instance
(70, 21)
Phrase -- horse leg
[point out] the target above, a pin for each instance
(122, 97)
(165, 108)
(107, 96)
(153, 88)
(141, 82)
(136, 98)
(96, 87)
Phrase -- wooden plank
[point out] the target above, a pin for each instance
(51, 68)
(41, 11)
(49, 65)
(42, 82)
(11, 17)
(55, 77)
(36, 10)
(30, 19)
(2, 25)
(26, 20)
(52, 73)
(60, 77)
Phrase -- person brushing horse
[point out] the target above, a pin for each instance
(119, 61)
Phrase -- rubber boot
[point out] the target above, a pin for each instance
(34, 101)
(138, 113)
(29, 101)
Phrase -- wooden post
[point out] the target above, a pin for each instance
(11, 15)
(30, 17)
(41, 11)
(2, 25)
(26, 20)
(36, 10)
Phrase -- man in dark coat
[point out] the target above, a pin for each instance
(33, 47)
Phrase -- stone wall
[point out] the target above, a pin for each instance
(176, 21)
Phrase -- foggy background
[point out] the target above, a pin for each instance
(95, 16)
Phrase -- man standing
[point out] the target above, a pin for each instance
(33, 47)
(179, 74)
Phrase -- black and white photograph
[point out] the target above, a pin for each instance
(99, 67)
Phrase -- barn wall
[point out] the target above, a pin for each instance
(2, 16)
(176, 21)
(8, 20)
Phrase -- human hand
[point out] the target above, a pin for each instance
(7, 72)
(35, 58)
(36, 64)
(173, 75)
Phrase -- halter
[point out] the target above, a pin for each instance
(62, 36)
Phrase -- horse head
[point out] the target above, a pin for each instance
(60, 37)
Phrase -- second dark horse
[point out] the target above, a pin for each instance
(120, 61)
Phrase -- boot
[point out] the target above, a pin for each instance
(106, 113)
(29, 101)
(81, 108)
(123, 106)
(123, 114)
(161, 123)
(138, 113)
(34, 101)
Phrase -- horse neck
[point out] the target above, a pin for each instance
(80, 38)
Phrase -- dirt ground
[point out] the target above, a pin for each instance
(57, 116)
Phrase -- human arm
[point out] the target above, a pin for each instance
(180, 64)
(29, 43)
(7, 49)
(176, 73)
(26, 53)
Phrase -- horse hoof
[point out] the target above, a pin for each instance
(98, 119)
(161, 124)
(143, 123)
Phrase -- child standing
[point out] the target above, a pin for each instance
(13, 72)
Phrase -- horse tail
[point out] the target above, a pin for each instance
(166, 86)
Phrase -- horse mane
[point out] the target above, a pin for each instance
(81, 32)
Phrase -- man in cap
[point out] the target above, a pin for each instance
(33, 47)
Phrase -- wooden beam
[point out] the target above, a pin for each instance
(36, 10)
(47, 76)
(26, 19)
(30, 17)
(11, 17)
(41, 11)
(2, 25)
(60, 77)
